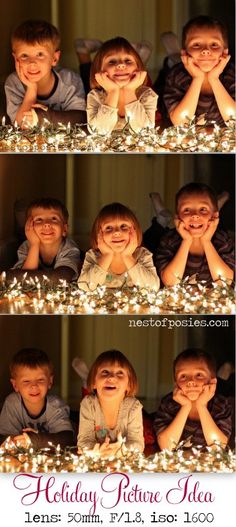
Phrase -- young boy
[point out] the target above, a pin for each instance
(204, 83)
(193, 413)
(36, 90)
(29, 414)
(196, 247)
(47, 250)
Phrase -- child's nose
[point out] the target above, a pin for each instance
(191, 382)
(195, 214)
(205, 51)
(121, 64)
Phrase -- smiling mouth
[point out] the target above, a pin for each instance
(196, 226)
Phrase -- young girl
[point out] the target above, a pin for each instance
(118, 78)
(111, 411)
(116, 257)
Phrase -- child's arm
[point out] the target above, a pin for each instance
(30, 97)
(86, 436)
(101, 116)
(140, 267)
(134, 435)
(217, 266)
(225, 102)
(174, 270)
(141, 109)
(188, 104)
(170, 436)
(210, 429)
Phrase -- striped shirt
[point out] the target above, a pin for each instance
(178, 82)
(196, 263)
(219, 408)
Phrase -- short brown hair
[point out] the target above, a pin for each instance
(113, 45)
(36, 31)
(204, 21)
(31, 358)
(114, 210)
(112, 357)
(49, 203)
(196, 188)
(198, 355)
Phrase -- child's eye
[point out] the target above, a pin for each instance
(112, 61)
(23, 57)
(186, 211)
(124, 227)
(40, 54)
(215, 45)
(108, 228)
(38, 221)
(204, 210)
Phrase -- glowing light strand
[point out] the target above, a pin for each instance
(30, 295)
(189, 137)
(54, 459)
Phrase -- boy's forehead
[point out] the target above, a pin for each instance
(22, 370)
(41, 211)
(20, 45)
(191, 364)
(193, 199)
(196, 32)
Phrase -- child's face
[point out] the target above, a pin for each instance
(120, 67)
(48, 224)
(111, 381)
(191, 376)
(196, 211)
(206, 46)
(32, 383)
(36, 60)
(116, 233)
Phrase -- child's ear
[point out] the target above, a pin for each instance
(65, 229)
(213, 380)
(14, 384)
(51, 378)
(56, 57)
(215, 214)
(225, 52)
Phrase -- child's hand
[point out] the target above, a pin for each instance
(108, 449)
(180, 397)
(136, 81)
(107, 84)
(24, 79)
(22, 440)
(211, 229)
(102, 245)
(218, 68)
(30, 118)
(180, 227)
(208, 391)
(191, 67)
(30, 233)
(132, 243)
